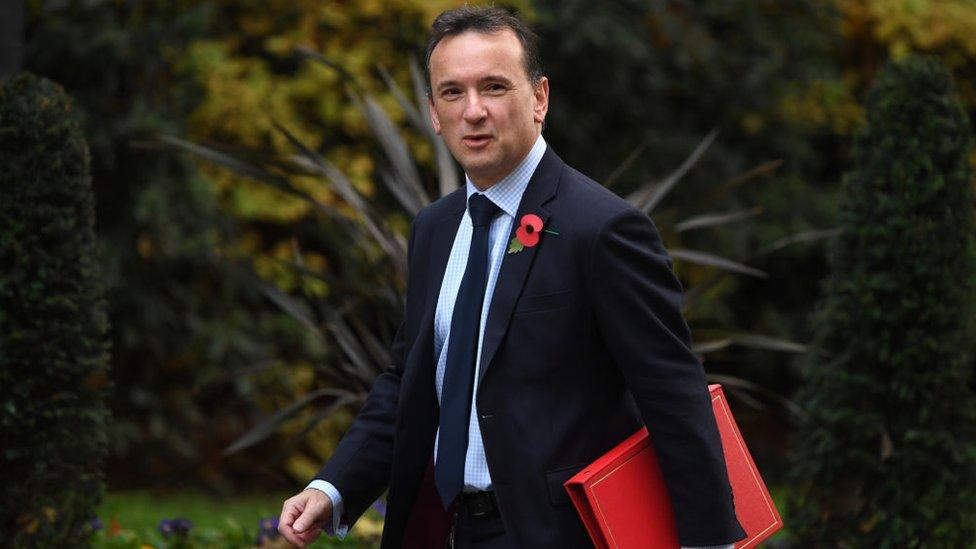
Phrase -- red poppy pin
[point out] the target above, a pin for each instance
(527, 234)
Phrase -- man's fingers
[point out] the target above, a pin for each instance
(299, 517)
(309, 516)
(310, 535)
(289, 511)
(289, 534)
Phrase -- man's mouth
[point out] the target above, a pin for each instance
(476, 141)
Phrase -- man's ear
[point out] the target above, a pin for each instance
(541, 93)
(434, 121)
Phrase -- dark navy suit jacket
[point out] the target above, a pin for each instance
(584, 343)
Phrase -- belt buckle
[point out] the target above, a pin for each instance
(481, 505)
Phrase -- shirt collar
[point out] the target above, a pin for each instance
(507, 193)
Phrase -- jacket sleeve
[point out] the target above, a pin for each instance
(637, 303)
(359, 469)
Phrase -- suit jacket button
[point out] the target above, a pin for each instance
(487, 416)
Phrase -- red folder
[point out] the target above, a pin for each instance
(623, 501)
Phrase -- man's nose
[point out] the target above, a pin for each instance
(474, 109)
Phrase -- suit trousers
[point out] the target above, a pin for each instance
(478, 530)
(431, 526)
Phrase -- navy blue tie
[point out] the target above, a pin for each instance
(462, 348)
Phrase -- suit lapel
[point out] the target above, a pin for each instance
(515, 267)
(420, 411)
(443, 231)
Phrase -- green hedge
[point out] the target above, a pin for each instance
(886, 456)
(53, 351)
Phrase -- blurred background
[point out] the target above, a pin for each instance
(255, 167)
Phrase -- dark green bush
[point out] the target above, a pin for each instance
(53, 350)
(886, 456)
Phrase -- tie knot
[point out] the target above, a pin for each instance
(481, 209)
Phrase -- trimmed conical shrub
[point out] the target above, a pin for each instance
(53, 351)
(886, 455)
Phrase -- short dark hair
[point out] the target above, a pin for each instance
(486, 20)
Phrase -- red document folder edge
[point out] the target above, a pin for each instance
(623, 501)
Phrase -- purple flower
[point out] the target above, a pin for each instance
(86, 529)
(380, 507)
(165, 528)
(268, 528)
(182, 525)
(179, 526)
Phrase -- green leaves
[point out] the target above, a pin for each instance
(53, 330)
(704, 258)
(515, 245)
(270, 425)
(887, 384)
(367, 252)
(652, 193)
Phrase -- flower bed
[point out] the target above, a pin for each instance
(138, 520)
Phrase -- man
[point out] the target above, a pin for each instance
(542, 327)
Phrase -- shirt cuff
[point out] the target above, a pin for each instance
(336, 528)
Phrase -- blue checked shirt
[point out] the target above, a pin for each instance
(506, 194)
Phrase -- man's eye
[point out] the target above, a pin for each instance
(496, 88)
(450, 93)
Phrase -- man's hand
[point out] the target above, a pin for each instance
(301, 515)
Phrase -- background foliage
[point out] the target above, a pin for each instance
(888, 438)
(181, 324)
(213, 278)
(53, 349)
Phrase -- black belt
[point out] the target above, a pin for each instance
(478, 504)
(481, 517)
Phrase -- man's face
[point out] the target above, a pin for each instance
(483, 104)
